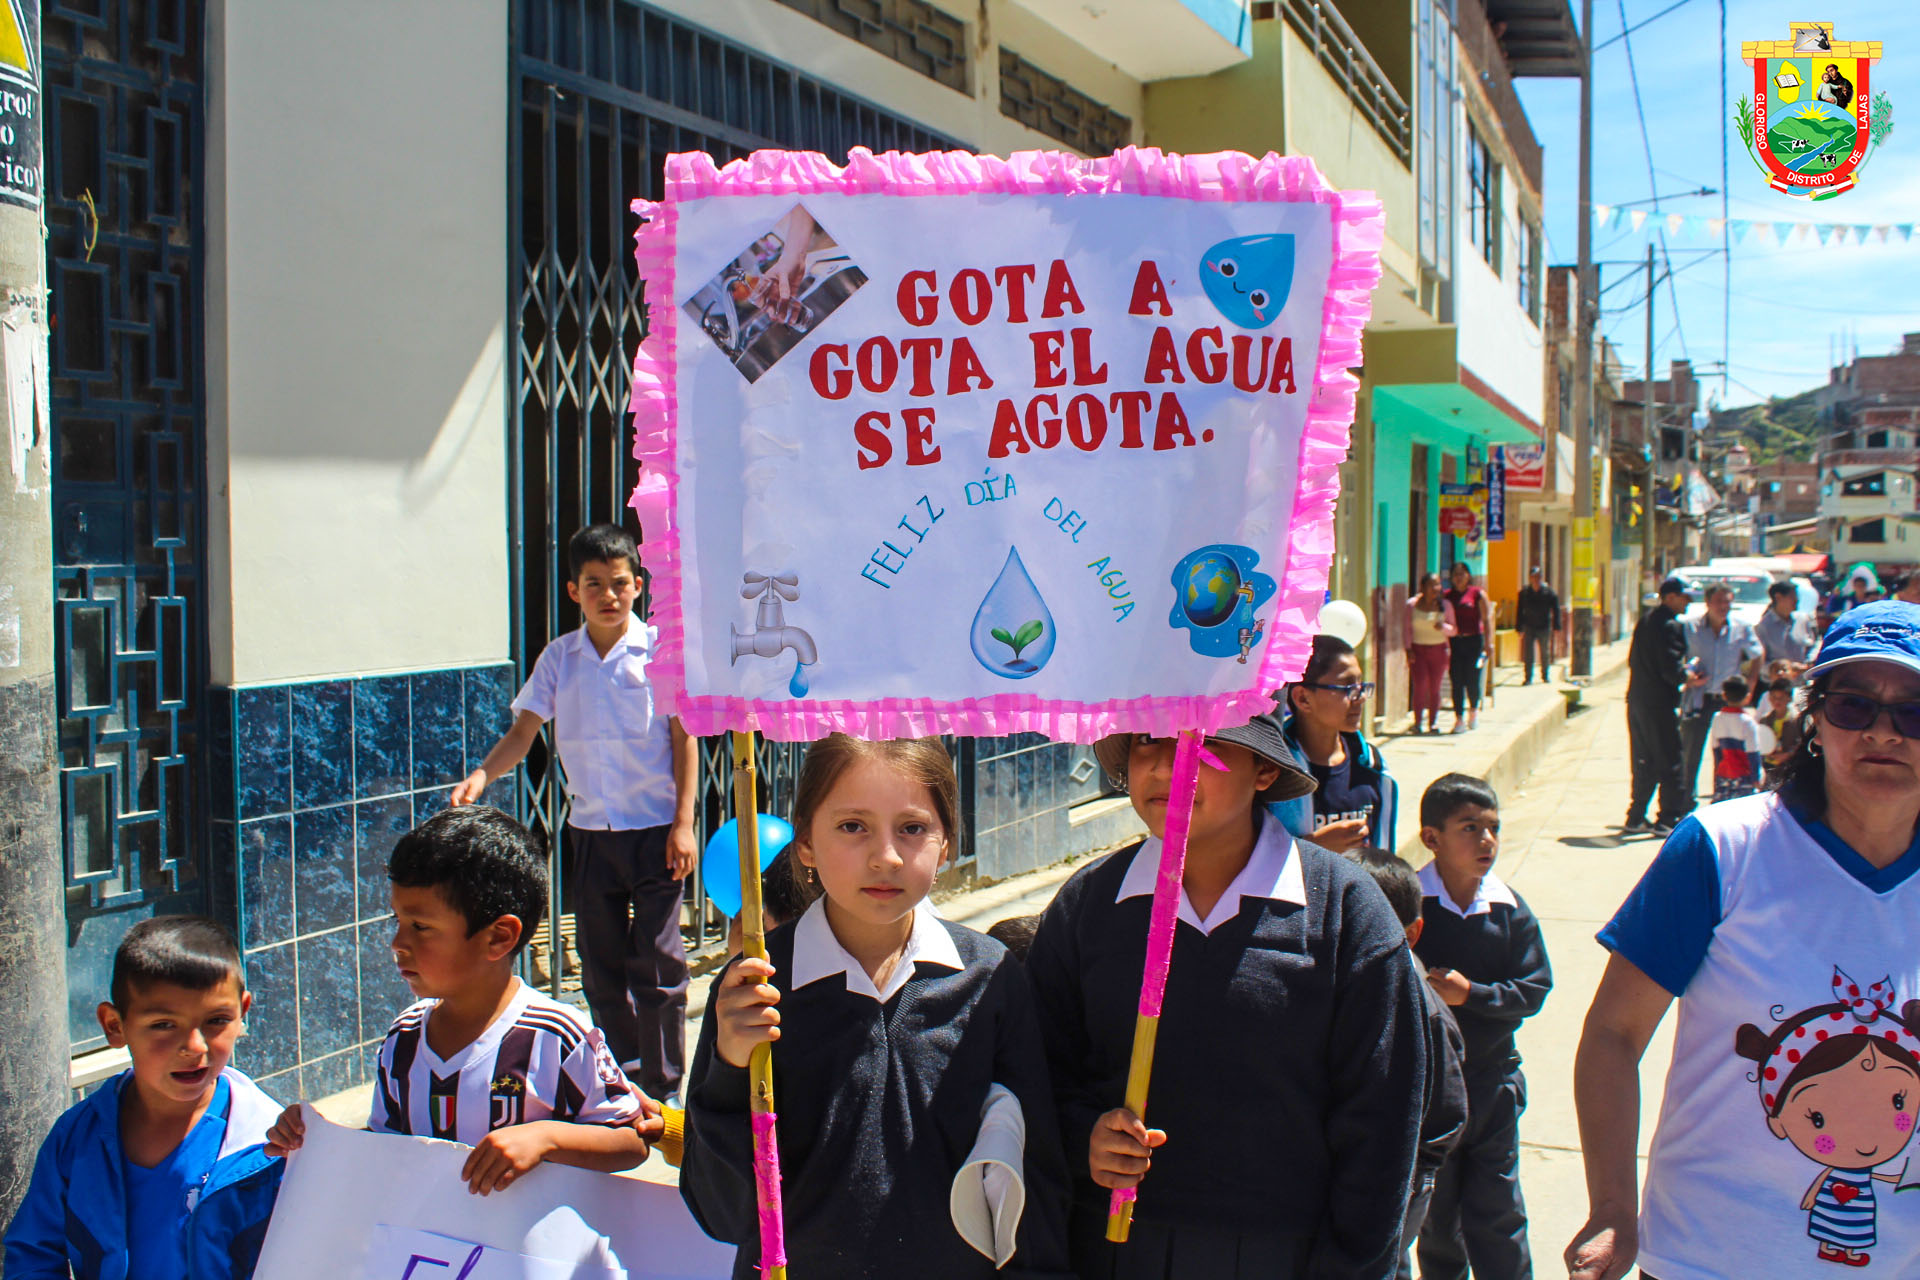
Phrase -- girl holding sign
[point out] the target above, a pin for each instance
(911, 1037)
(1287, 1082)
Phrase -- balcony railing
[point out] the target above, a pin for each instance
(1345, 57)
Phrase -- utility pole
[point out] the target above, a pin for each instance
(1583, 567)
(1648, 541)
(33, 1054)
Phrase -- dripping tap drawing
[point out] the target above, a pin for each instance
(771, 634)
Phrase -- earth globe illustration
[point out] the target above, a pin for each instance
(1207, 594)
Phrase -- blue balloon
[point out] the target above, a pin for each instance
(720, 864)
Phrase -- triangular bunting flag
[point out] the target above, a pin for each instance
(1639, 216)
(1782, 230)
(1824, 230)
(1906, 231)
(1880, 232)
(1716, 225)
(1739, 227)
(1674, 223)
(1601, 213)
(1860, 232)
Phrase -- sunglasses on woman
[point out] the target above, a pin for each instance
(1856, 711)
(1351, 692)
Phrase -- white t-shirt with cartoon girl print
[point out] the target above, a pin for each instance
(1783, 1145)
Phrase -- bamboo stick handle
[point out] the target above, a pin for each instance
(766, 1149)
(1163, 922)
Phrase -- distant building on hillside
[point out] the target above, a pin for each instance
(1869, 455)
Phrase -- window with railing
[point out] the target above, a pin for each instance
(1527, 258)
(1434, 164)
(1483, 198)
(1344, 56)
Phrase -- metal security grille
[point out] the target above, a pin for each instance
(123, 156)
(1057, 109)
(605, 90)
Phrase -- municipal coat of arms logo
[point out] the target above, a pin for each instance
(1813, 117)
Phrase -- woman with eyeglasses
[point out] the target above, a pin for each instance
(1784, 924)
(1354, 804)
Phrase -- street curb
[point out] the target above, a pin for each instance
(1524, 748)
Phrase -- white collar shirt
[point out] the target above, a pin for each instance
(1491, 892)
(1272, 873)
(617, 752)
(818, 954)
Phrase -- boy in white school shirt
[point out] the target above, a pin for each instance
(632, 781)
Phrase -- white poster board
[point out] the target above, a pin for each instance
(375, 1205)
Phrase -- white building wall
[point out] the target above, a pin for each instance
(356, 296)
(1498, 340)
(818, 50)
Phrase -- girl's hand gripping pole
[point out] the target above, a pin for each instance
(766, 1150)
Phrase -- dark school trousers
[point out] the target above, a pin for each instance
(1463, 664)
(1694, 726)
(1477, 1217)
(1536, 640)
(1653, 734)
(1162, 1251)
(1416, 1217)
(633, 964)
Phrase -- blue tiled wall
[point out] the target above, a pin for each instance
(313, 784)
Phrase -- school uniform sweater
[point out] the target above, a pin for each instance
(1289, 1072)
(1444, 1119)
(1496, 943)
(879, 1102)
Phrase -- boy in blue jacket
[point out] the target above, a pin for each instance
(163, 1163)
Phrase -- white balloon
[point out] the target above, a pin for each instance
(1345, 619)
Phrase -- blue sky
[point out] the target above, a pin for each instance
(1787, 302)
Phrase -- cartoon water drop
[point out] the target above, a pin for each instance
(1216, 593)
(1013, 629)
(798, 685)
(1248, 278)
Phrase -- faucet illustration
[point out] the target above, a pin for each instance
(771, 634)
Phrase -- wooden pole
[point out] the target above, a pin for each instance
(1162, 923)
(766, 1149)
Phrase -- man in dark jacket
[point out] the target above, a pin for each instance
(1656, 669)
(1538, 616)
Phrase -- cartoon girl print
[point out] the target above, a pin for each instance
(1841, 1082)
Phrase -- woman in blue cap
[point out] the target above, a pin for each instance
(1784, 925)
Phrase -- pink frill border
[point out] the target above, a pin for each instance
(1358, 228)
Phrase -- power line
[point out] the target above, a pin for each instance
(1646, 147)
(1645, 22)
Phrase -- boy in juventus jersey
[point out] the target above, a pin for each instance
(483, 1058)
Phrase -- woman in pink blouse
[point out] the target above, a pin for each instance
(1430, 625)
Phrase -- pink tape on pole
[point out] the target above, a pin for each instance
(766, 1188)
(1173, 865)
(1358, 231)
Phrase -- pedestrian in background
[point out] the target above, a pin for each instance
(1656, 668)
(1355, 800)
(1786, 634)
(633, 779)
(1430, 626)
(1719, 647)
(1473, 623)
(1537, 614)
(1793, 1085)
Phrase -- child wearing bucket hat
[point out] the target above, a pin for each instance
(1289, 972)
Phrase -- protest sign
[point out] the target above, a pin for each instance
(385, 1207)
(956, 443)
